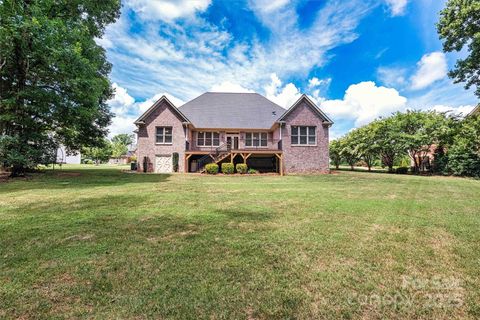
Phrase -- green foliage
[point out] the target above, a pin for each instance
(228, 168)
(459, 27)
(464, 154)
(54, 82)
(175, 161)
(440, 160)
(118, 149)
(335, 152)
(123, 138)
(252, 171)
(366, 146)
(19, 156)
(348, 150)
(241, 168)
(419, 131)
(211, 168)
(386, 133)
(133, 158)
(100, 153)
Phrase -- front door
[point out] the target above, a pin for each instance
(232, 141)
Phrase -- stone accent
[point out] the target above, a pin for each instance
(162, 116)
(304, 159)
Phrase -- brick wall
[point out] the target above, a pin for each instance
(162, 116)
(305, 158)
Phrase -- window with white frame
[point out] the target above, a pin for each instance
(208, 139)
(256, 139)
(303, 135)
(164, 135)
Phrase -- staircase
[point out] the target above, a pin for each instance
(219, 154)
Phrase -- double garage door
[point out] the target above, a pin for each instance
(163, 164)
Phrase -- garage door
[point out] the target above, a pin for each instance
(163, 164)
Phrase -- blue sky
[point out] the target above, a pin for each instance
(357, 59)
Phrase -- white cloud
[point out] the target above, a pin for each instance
(315, 82)
(127, 110)
(460, 110)
(167, 10)
(267, 6)
(228, 86)
(283, 96)
(397, 7)
(392, 76)
(365, 101)
(198, 53)
(432, 67)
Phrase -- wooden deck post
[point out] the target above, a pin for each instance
(280, 159)
(185, 168)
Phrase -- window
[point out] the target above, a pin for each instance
(164, 135)
(256, 139)
(208, 139)
(302, 135)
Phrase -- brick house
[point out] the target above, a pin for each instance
(233, 127)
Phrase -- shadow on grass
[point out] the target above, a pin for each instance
(83, 178)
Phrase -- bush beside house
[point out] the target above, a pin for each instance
(241, 168)
(228, 168)
(211, 168)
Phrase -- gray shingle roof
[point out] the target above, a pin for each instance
(232, 110)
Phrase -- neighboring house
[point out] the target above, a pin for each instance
(233, 127)
(64, 157)
(124, 159)
(475, 111)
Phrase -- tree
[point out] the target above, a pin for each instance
(53, 77)
(464, 154)
(99, 153)
(386, 132)
(348, 150)
(120, 144)
(459, 26)
(365, 145)
(420, 132)
(123, 138)
(335, 149)
(118, 149)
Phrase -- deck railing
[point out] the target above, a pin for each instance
(272, 144)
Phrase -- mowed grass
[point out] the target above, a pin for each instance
(94, 242)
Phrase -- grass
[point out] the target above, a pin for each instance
(94, 242)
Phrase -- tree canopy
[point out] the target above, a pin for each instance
(415, 137)
(459, 27)
(54, 82)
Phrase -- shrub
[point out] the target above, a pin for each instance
(88, 161)
(132, 158)
(175, 161)
(402, 170)
(252, 171)
(241, 168)
(228, 168)
(211, 168)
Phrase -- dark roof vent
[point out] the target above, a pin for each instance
(274, 113)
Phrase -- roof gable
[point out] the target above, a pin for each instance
(158, 103)
(312, 105)
(475, 111)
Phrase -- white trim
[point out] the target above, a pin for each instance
(205, 139)
(298, 135)
(259, 139)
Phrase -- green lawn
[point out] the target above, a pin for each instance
(94, 242)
